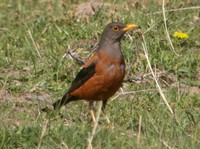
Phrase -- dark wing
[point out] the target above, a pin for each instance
(85, 74)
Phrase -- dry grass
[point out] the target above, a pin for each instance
(44, 45)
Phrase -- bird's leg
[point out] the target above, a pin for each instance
(104, 105)
(103, 108)
(91, 110)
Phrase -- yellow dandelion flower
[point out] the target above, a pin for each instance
(180, 35)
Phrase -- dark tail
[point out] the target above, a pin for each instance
(65, 100)
(59, 103)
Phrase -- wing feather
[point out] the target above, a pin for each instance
(85, 74)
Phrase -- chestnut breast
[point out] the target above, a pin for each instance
(108, 77)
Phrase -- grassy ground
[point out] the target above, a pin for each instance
(35, 69)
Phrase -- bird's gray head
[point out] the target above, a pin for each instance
(113, 32)
(111, 36)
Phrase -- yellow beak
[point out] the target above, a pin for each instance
(130, 27)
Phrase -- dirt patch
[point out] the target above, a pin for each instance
(88, 8)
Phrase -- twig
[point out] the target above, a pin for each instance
(177, 9)
(91, 136)
(166, 29)
(77, 58)
(142, 77)
(34, 44)
(80, 60)
(44, 129)
(150, 28)
(132, 92)
(157, 84)
(139, 131)
(95, 46)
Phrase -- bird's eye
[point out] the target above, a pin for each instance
(115, 28)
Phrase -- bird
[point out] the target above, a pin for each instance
(103, 74)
